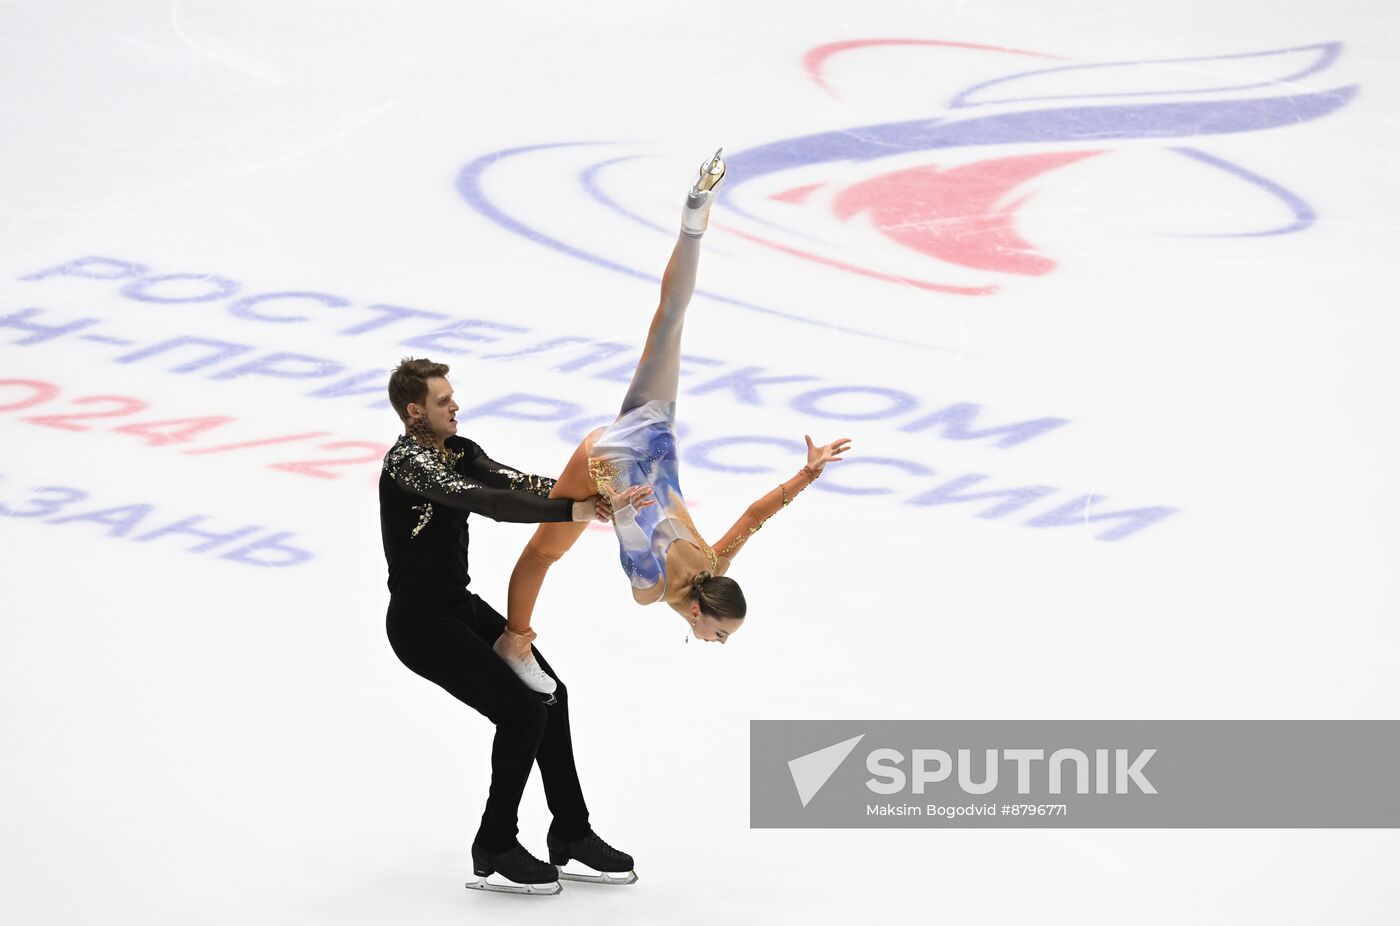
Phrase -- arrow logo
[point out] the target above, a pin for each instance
(812, 771)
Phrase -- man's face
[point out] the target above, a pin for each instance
(440, 411)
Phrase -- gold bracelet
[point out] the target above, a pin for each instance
(810, 473)
(740, 539)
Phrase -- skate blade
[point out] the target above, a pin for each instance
(598, 877)
(510, 887)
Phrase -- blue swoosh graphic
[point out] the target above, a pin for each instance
(1083, 124)
(469, 187)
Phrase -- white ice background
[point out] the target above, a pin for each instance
(191, 738)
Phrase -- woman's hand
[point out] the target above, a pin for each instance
(817, 457)
(636, 496)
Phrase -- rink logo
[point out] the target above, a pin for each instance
(932, 203)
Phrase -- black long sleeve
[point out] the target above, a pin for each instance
(425, 501)
(422, 471)
(481, 468)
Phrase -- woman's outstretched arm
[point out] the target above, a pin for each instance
(760, 511)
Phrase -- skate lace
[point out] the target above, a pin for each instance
(519, 854)
(594, 841)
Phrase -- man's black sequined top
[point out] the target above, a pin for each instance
(424, 499)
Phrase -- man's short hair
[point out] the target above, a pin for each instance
(409, 383)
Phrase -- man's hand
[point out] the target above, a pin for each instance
(588, 509)
(601, 508)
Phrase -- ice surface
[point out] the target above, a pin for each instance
(1159, 238)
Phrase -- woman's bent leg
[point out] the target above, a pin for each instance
(551, 541)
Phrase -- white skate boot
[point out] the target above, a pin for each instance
(526, 667)
(696, 215)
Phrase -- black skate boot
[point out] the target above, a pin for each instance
(527, 874)
(610, 866)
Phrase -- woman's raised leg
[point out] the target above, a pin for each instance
(657, 375)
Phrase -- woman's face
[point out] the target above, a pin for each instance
(713, 629)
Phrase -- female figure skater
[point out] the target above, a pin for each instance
(633, 463)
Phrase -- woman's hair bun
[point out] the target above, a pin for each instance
(718, 596)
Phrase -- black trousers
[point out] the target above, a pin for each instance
(447, 639)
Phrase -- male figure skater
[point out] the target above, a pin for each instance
(431, 480)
